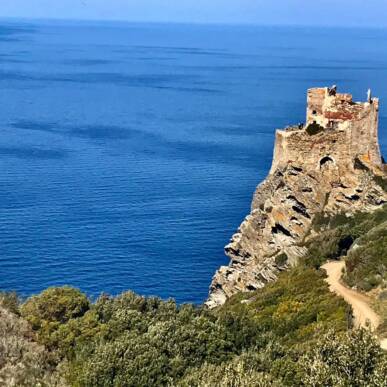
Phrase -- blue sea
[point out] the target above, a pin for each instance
(129, 153)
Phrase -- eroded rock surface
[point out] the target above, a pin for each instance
(330, 165)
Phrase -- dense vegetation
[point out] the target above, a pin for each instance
(363, 236)
(267, 338)
(293, 332)
(366, 263)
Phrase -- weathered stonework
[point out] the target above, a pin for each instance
(326, 166)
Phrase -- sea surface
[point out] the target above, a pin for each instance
(129, 153)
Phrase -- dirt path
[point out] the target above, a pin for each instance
(360, 303)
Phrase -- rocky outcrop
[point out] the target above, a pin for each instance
(330, 165)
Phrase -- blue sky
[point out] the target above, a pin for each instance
(299, 12)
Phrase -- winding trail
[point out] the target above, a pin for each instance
(364, 315)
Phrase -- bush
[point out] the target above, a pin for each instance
(10, 301)
(55, 305)
(353, 358)
(232, 374)
(366, 265)
(49, 312)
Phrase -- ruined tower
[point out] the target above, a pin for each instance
(348, 129)
(326, 166)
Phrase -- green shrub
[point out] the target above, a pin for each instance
(49, 312)
(353, 358)
(10, 301)
(55, 305)
(366, 265)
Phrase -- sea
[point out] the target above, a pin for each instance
(129, 153)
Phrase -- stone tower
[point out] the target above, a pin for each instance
(349, 131)
(327, 166)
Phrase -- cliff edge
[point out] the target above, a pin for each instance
(330, 165)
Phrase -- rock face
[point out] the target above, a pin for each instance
(329, 165)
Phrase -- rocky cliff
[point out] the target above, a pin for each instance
(330, 165)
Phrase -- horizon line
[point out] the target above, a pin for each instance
(199, 23)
